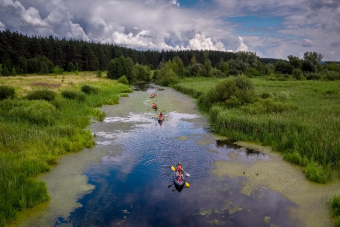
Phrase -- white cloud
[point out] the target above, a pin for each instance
(243, 46)
(162, 24)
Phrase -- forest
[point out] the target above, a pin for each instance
(22, 54)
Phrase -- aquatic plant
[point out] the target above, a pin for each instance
(34, 133)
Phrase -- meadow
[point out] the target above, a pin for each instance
(47, 117)
(301, 119)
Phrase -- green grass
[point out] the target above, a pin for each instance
(306, 121)
(34, 133)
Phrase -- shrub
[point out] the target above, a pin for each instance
(335, 205)
(317, 173)
(37, 112)
(6, 92)
(123, 80)
(69, 94)
(268, 106)
(169, 78)
(232, 91)
(87, 89)
(57, 70)
(124, 95)
(99, 74)
(313, 76)
(298, 74)
(47, 95)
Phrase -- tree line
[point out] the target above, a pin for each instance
(22, 54)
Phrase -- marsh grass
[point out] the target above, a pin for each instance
(335, 210)
(298, 118)
(33, 133)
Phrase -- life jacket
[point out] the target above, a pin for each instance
(179, 167)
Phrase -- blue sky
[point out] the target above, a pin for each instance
(271, 28)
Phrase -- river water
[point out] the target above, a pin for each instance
(126, 179)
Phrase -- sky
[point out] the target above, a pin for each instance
(270, 28)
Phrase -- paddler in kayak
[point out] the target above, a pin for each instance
(154, 106)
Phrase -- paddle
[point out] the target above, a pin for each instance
(186, 174)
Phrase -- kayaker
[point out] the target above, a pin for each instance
(179, 167)
(154, 105)
(161, 114)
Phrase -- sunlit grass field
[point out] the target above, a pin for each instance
(307, 135)
(34, 133)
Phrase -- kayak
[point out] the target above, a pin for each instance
(179, 183)
(153, 96)
(155, 107)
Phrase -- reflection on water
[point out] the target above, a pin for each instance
(134, 188)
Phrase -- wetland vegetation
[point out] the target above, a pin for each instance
(41, 121)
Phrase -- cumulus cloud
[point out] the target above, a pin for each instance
(163, 24)
(243, 46)
(200, 42)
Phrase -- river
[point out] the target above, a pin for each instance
(126, 179)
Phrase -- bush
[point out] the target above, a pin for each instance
(38, 112)
(317, 173)
(124, 95)
(268, 106)
(99, 74)
(298, 74)
(123, 80)
(169, 78)
(74, 95)
(6, 92)
(313, 76)
(335, 205)
(232, 91)
(87, 89)
(47, 95)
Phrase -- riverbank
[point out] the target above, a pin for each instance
(303, 122)
(35, 132)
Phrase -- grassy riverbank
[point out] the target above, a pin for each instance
(304, 126)
(34, 133)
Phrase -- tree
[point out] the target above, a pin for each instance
(70, 67)
(311, 61)
(207, 69)
(295, 62)
(193, 61)
(283, 67)
(14, 72)
(177, 66)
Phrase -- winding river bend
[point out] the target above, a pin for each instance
(126, 179)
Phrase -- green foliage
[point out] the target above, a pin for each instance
(283, 67)
(6, 92)
(70, 67)
(317, 173)
(47, 95)
(298, 74)
(313, 76)
(234, 90)
(0, 69)
(268, 105)
(74, 95)
(99, 73)
(178, 66)
(124, 95)
(123, 80)
(5, 72)
(120, 67)
(57, 70)
(14, 72)
(140, 73)
(88, 89)
(311, 62)
(169, 78)
(295, 158)
(335, 206)
(37, 112)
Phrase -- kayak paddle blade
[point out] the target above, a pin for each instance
(155, 116)
(187, 174)
(187, 185)
(173, 168)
